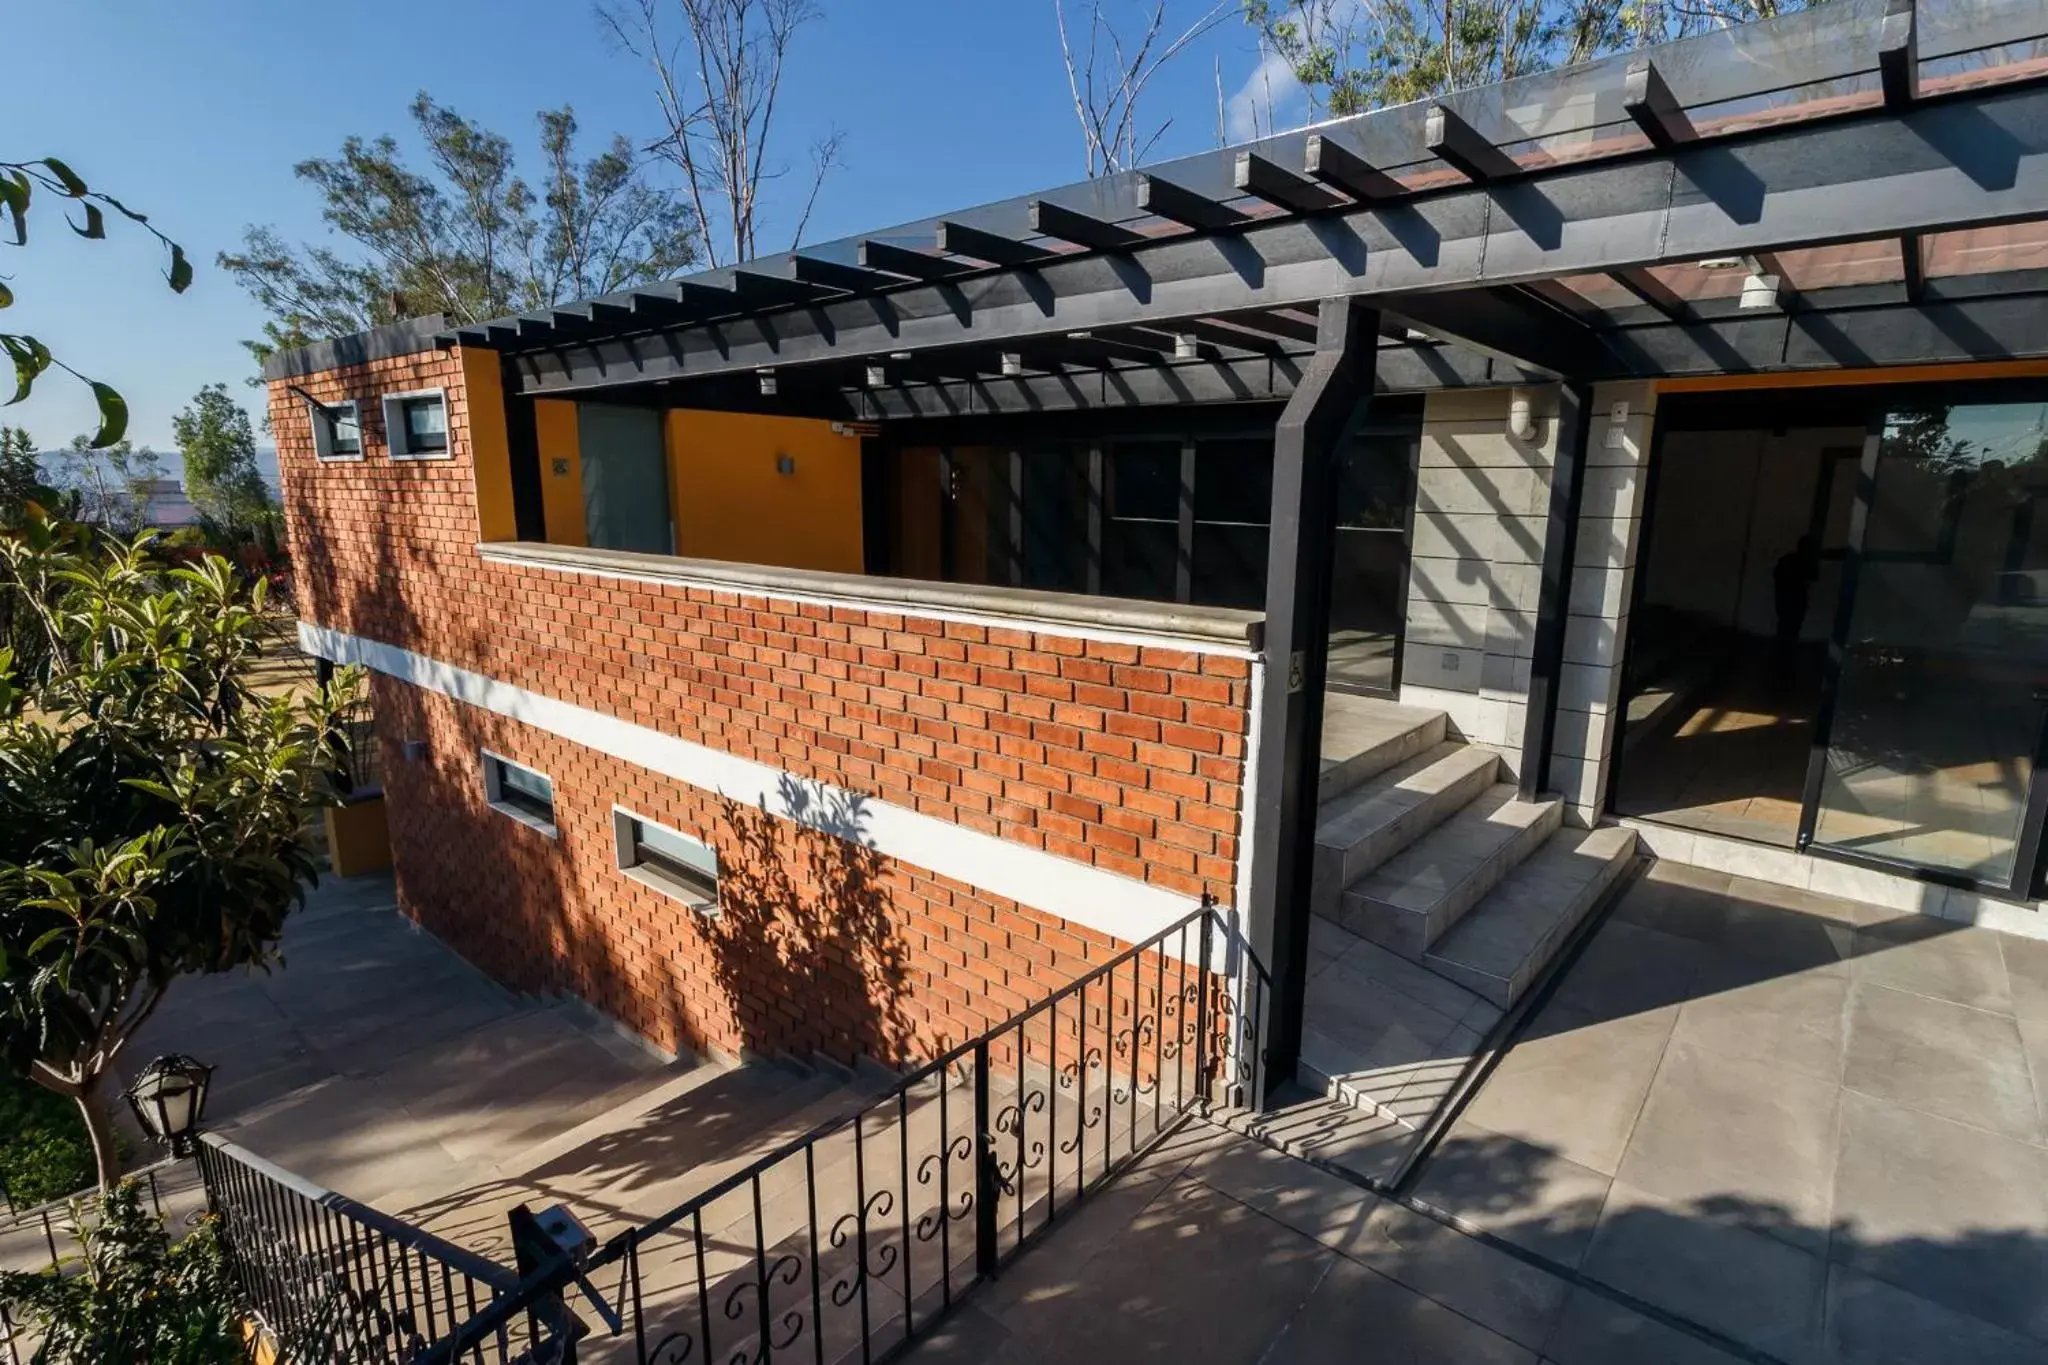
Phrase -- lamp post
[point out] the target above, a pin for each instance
(169, 1098)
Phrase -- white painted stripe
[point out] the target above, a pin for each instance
(1063, 629)
(1124, 908)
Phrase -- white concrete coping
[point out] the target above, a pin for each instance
(1199, 629)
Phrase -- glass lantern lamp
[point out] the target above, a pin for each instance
(169, 1099)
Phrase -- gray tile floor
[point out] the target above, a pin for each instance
(1810, 1125)
(380, 1064)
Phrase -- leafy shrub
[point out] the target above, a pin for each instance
(132, 1294)
(44, 1151)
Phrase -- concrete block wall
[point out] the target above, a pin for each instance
(1482, 503)
(1601, 587)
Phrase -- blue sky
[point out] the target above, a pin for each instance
(196, 111)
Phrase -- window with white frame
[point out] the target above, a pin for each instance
(668, 860)
(337, 430)
(416, 424)
(519, 791)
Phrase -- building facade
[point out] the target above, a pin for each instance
(1393, 523)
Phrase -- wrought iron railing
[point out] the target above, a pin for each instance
(334, 1280)
(852, 1240)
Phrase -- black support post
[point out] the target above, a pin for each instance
(522, 444)
(1553, 592)
(1326, 404)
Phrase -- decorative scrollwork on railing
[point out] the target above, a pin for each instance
(848, 1227)
(757, 1296)
(673, 1349)
(1129, 1046)
(1075, 1074)
(336, 1292)
(929, 1223)
(1009, 1124)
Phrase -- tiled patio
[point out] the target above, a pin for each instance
(1809, 1125)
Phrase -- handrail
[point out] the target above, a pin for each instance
(1191, 1015)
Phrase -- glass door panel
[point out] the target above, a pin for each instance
(1935, 721)
(1369, 570)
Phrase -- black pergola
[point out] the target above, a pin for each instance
(1862, 184)
(1468, 223)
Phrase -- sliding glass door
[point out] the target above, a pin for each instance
(1934, 719)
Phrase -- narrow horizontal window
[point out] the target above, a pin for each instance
(667, 859)
(416, 424)
(518, 791)
(337, 431)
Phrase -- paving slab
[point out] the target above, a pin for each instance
(1947, 1059)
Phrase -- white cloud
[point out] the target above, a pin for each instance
(1269, 99)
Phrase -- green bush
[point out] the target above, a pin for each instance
(44, 1152)
(133, 1295)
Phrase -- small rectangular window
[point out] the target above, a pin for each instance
(337, 431)
(518, 791)
(416, 424)
(667, 860)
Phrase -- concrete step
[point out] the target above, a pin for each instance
(1365, 827)
(1363, 737)
(1499, 947)
(1415, 897)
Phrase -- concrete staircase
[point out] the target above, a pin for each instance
(1440, 896)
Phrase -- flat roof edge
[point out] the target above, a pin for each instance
(393, 339)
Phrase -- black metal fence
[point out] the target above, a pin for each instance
(334, 1280)
(852, 1240)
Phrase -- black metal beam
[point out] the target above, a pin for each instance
(756, 290)
(1319, 417)
(1507, 326)
(1913, 266)
(1282, 325)
(657, 310)
(834, 275)
(705, 298)
(1653, 292)
(1649, 101)
(1973, 158)
(1333, 163)
(1234, 338)
(1898, 55)
(1071, 225)
(1553, 598)
(1274, 183)
(1462, 147)
(961, 240)
(1184, 206)
(917, 265)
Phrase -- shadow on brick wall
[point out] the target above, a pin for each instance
(805, 947)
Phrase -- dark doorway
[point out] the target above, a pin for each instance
(1738, 582)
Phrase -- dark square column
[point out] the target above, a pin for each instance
(1332, 395)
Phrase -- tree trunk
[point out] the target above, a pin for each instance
(99, 1126)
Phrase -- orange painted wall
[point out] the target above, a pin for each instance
(561, 471)
(729, 502)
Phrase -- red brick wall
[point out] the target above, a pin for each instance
(823, 946)
(1128, 758)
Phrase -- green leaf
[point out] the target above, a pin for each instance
(15, 190)
(30, 358)
(113, 414)
(181, 269)
(6, 295)
(73, 186)
(95, 223)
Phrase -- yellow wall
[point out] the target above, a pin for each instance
(483, 390)
(729, 502)
(561, 471)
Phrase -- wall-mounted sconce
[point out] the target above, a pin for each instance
(785, 465)
(767, 382)
(1521, 415)
(1184, 347)
(561, 468)
(1013, 364)
(877, 377)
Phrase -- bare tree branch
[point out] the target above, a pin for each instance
(1113, 134)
